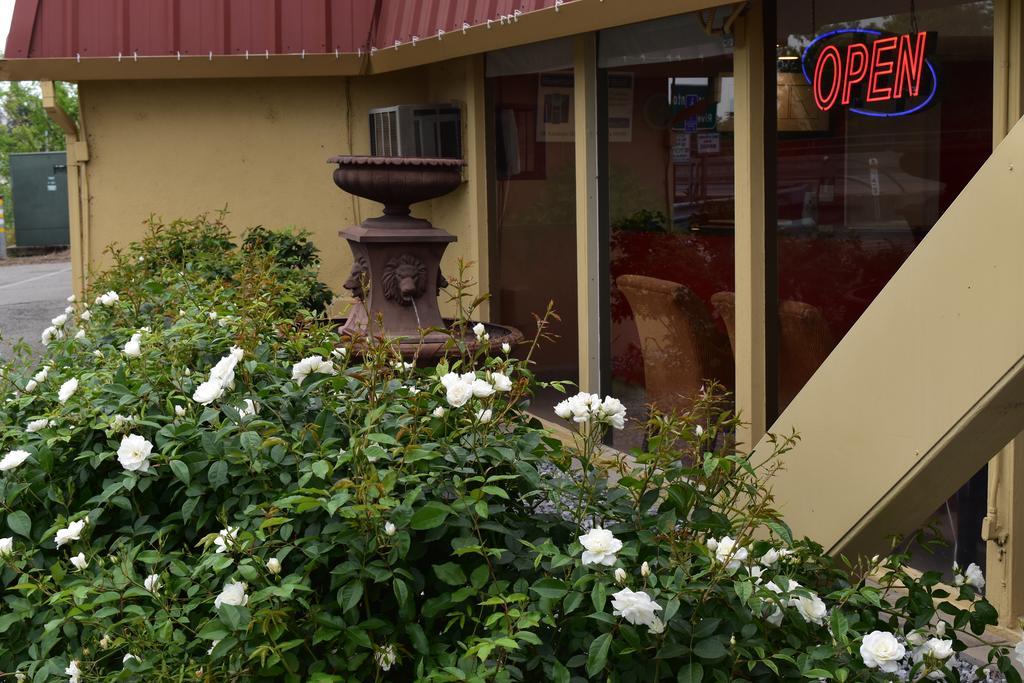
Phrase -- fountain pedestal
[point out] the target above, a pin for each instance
(396, 258)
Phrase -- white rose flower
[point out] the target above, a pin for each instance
(12, 459)
(386, 657)
(389, 529)
(501, 382)
(637, 608)
(769, 558)
(917, 638)
(80, 334)
(940, 628)
(73, 672)
(79, 561)
(6, 546)
(108, 299)
(880, 650)
(484, 416)
(133, 347)
(458, 394)
(481, 388)
(41, 376)
(133, 454)
(226, 539)
(620, 576)
(60, 320)
(212, 315)
(728, 554)
(811, 608)
(67, 390)
(339, 352)
(120, 422)
(506, 348)
(69, 309)
(935, 648)
(179, 411)
(129, 657)
(479, 330)
(249, 409)
(30, 386)
(86, 315)
(599, 547)
(312, 365)
(72, 299)
(72, 532)
(274, 565)
(438, 411)
(49, 334)
(152, 583)
(208, 392)
(232, 594)
(974, 577)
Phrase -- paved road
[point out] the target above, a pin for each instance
(30, 295)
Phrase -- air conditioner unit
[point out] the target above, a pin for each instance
(416, 130)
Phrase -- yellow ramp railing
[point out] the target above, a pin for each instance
(928, 384)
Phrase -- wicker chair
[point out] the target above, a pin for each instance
(804, 341)
(680, 343)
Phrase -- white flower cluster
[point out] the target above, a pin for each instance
(460, 388)
(972, 576)
(931, 650)
(108, 299)
(312, 365)
(727, 552)
(222, 378)
(587, 409)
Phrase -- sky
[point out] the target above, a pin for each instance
(6, 10)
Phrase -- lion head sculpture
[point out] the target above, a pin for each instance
(405, 279)
(356, 278)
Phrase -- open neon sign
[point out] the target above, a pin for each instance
(880, 74)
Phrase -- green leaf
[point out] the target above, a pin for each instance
(320, 468)
(20, 523)
(550, 588)
(709, 648)
(691, 673)
(598, 596)
(559, 674)
(418, 638)
(401, 591)
(597, 655)
(218, 474)
(382, 438)
(180, 470)
(429, 516)
(450, 573)
(350, 595)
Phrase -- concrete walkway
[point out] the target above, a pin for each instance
(30, 295)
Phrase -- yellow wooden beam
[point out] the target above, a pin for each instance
(587, 243)
(748, 67)
(1004, 521)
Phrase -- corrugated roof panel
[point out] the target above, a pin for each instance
(107, 28)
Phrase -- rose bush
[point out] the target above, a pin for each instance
(201, 481)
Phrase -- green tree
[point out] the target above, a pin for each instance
(25, 127)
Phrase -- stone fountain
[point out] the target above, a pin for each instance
(399, 256)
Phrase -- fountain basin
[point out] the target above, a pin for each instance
(431, 347)
(397, 182)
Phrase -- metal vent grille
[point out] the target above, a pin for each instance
(384, 141)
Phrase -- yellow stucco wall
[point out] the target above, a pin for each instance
(258, 146)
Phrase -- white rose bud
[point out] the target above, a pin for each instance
(645, 570)
(274, 566)
(389, 529)
(506, 348)
(620, 576)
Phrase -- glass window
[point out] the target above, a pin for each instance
(533, 204)
(884, 115)
(669, 190)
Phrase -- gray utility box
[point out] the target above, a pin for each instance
(39, 185)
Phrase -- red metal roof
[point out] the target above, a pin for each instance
(109, 28)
